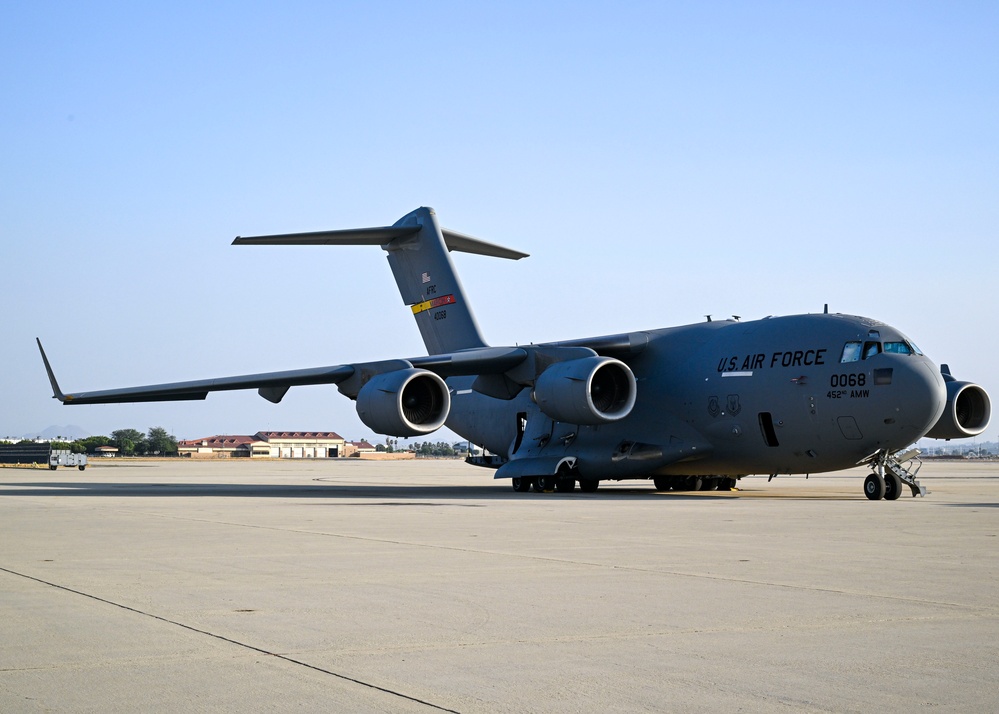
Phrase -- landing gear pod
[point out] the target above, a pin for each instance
(587, 391)
(405, 402)
(967, 412)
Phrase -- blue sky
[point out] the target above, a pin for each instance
(659, 161)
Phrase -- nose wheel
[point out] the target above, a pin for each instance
(893, 487)
(874, 487)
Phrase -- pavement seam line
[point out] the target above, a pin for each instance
(230, 641)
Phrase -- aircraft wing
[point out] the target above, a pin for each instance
(480, 360)
(273, 385)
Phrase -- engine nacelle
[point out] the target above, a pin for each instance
(588, 391)
(404, 402)
(967, 413)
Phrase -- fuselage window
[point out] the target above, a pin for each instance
(871, 349)
(897, 348)
(851, 352)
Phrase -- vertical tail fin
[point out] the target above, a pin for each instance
(430, 285)
(418, 253)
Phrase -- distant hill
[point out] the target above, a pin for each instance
(68, 433)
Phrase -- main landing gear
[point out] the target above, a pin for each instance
(891, 471)
(550, 484)
(563, 482)
(694, 483)
(566, 479)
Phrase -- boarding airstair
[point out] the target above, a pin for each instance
(904, 465)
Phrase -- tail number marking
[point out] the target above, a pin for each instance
(848, 380)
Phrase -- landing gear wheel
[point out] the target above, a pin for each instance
(708, 484)
(893, 487)
(544, 484)
(874, 487)
(565, 484)
(565, 479)
(588, 485)
(694, 483)
(663, 484)
(521, 485)
(726, 484)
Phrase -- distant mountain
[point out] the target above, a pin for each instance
(67, 433)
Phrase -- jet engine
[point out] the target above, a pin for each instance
(404, 402)
(967, 412)
(589, 391)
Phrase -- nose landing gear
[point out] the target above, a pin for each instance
(891, 470)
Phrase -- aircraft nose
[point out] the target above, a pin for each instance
(922, 395)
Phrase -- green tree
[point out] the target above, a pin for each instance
(160, 442)
(89, 444)
(128, 441)
(428, 449)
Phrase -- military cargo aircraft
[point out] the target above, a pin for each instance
(694, 407)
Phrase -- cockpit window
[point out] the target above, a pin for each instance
(851, 352)
(915, 349)
(871, 349)
(856, 351)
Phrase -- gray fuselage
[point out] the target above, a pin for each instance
(797, 394)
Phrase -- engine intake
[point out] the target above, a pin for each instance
(588, 391)
(967, 412)
(405, 402)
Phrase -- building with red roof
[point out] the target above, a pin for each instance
(266, 444)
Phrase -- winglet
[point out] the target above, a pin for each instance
(56, 392)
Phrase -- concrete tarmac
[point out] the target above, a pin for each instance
(424, 586)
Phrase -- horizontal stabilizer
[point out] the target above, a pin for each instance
(467, 244)
(350, 236)
(383, 236)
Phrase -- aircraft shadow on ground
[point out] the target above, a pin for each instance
(317, 490)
